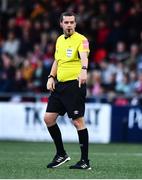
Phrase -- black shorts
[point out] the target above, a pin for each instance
(68, 97)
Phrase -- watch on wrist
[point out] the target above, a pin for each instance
(51, 76)
(84, 67)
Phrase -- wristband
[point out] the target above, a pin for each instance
(84, 67)
(51, 76)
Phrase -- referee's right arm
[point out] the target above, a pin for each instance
(51, 78)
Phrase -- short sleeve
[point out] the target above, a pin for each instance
(56, 51)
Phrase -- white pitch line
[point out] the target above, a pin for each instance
(112, 154)
(77, 153)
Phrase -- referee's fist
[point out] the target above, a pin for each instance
(50, 84)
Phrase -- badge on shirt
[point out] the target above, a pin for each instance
(69, 52)
(85, 44)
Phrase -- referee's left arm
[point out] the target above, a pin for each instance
(84, 62)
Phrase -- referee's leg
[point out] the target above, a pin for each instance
(79, 123)
(61, 156)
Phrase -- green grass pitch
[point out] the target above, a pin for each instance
(28, 160)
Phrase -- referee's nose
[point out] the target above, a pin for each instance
(69, 24)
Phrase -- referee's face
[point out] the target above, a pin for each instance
(68, 24)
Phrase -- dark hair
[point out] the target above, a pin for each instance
(67, 14)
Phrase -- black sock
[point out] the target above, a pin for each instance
(83, 141)
(57, 138)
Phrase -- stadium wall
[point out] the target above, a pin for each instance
(106, 123)
(126, 124)
(24, 121)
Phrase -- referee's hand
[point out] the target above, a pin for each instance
(50, 84)
(82, 77)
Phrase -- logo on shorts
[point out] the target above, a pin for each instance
(76, 112)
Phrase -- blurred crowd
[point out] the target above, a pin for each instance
(29, 29)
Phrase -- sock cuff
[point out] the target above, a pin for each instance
(82, 131)
(52, 127)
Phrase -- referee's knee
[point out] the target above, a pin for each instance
(79, 123)
(50, 119)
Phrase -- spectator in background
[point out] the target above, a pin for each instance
(133, 24)
(123, 87)
(107, 70)
(1, 43)
(37, 11)
(102, 33)
(97, 89)
(20, 18)
(117, 11)
(27, 70)
(12, 27)
(99, 55)
(133, 79)
(26, 44)
(46, 25)
(49, 56)
(11, 45)
(117, 34)
(103, 11)
(133, 57)
(39, 77)
(19, 83)
(110, 86)
(7, 73)
(138, 84)
(120, 71)
(139, 63)
(36, 31)
(120, 54)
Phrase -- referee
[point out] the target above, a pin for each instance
(69, 92)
